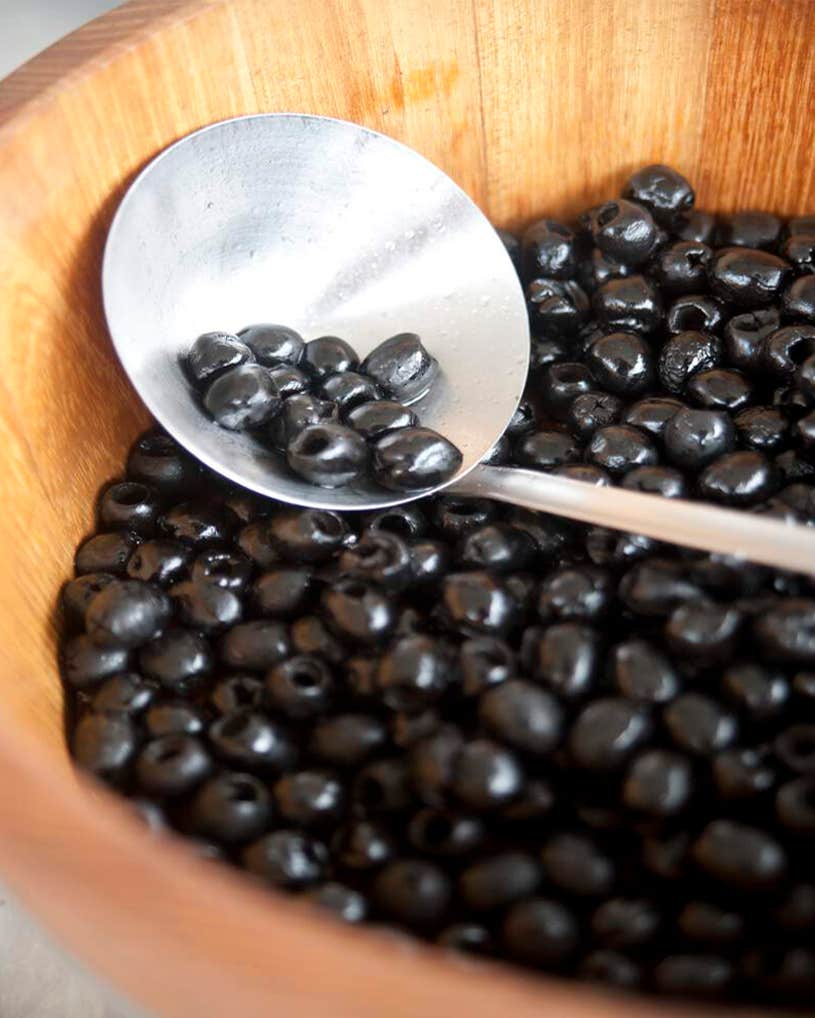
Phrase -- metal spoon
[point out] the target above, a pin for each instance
(330, 228)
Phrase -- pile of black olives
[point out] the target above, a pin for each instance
(335, 420)
(579, 750)
(674, 352)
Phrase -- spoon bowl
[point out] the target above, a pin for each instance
(329, 228)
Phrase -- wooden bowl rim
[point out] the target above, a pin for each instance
(84, 52)
(78, 859)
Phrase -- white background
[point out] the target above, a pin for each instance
(27, 26)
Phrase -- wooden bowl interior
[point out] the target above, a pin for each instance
(533, 107)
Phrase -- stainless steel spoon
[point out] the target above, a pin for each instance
(333, 229)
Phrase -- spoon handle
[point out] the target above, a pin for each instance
(694, 525)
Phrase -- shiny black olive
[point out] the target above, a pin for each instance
(401, 367)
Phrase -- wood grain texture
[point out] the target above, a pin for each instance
(533, 106)
(574, 103)
(758, 131)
